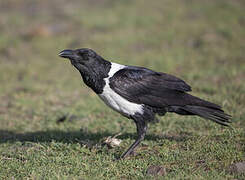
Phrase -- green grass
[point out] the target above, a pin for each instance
(200, 41)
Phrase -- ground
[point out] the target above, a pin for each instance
(53, 126)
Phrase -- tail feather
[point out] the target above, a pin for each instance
(216, 115)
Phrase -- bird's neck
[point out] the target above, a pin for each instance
(94, 75)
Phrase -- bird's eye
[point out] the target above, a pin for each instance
(84, 56)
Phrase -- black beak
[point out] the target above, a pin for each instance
(67, 53)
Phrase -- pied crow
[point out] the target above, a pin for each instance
(139, 93)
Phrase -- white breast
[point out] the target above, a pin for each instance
(114, 100)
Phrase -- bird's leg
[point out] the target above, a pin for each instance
(141, 126)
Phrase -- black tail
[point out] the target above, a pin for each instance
(213, 114)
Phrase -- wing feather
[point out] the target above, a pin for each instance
(144, 86)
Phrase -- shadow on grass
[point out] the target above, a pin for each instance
(75, 136)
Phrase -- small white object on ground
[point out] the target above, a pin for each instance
(113, 141)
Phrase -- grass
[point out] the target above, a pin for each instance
(200, 41)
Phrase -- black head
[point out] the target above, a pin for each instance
(79, 56)
(91, 66)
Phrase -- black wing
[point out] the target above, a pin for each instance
(143, 86)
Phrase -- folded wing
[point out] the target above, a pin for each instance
(144, 86)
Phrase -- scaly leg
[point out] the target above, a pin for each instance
(141, 131)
